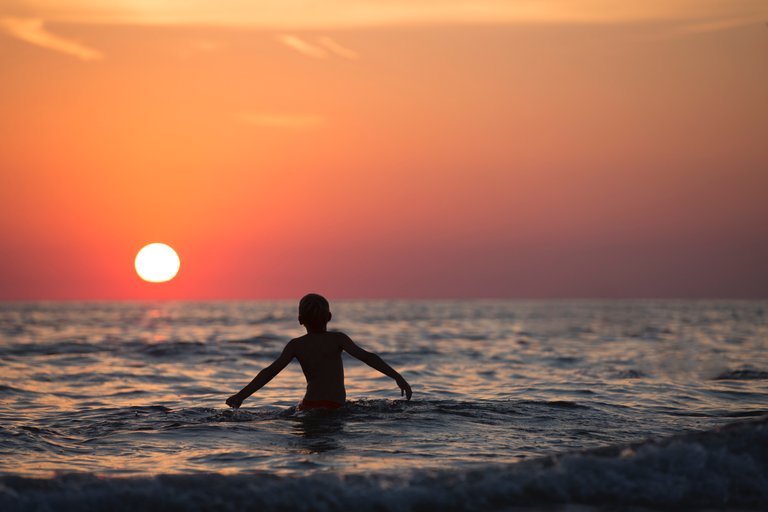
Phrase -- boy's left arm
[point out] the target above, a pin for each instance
(264, 376)
(376, 362)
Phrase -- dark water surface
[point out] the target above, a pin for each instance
(136, 390)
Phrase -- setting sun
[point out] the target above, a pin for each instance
(157, 263)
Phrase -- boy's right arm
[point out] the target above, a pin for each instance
(264, 376)
(376, 362)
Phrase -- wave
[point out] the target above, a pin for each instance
(629, 374)
(9, 390)
(724, 468)
(745, 373)
(146, 348)
(51, 348)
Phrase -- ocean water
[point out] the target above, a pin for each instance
(517, 405)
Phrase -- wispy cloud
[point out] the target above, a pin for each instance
(302, 46)
(338, 49)
(683, 29)
(33, 31)
(300, 14)
(281, 120)
(714, 26)
(321, 49)
(198, 47)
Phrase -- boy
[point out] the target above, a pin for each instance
(319, 353)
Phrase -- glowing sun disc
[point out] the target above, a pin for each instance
(157, 263)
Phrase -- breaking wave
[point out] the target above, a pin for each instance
(723, 468)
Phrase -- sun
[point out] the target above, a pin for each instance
(157, 263)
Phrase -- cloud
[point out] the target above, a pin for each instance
(199, 47)
(303, 47)
(324, 47)
(713, 26)
(33, 31)
(683, 29)
(281, 120)
(336, 48)
(316, 14)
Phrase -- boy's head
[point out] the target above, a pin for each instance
(314, 312)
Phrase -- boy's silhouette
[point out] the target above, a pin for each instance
(319, 353)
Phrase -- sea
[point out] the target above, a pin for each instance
(517, 405)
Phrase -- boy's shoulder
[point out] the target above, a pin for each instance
(326, 335)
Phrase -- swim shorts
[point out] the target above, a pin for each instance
(306, 405)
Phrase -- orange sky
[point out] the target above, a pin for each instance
(385, 149)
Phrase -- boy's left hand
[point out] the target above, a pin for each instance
(234, 401)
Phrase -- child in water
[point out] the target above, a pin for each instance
(319, 353)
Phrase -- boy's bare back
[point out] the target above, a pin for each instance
(319, 353)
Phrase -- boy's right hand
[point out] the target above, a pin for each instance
(234, 401)
(405, 388)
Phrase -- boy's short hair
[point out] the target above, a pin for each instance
(314, 310)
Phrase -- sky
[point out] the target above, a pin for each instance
(385, 149)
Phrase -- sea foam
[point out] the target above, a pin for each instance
(724, 468)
